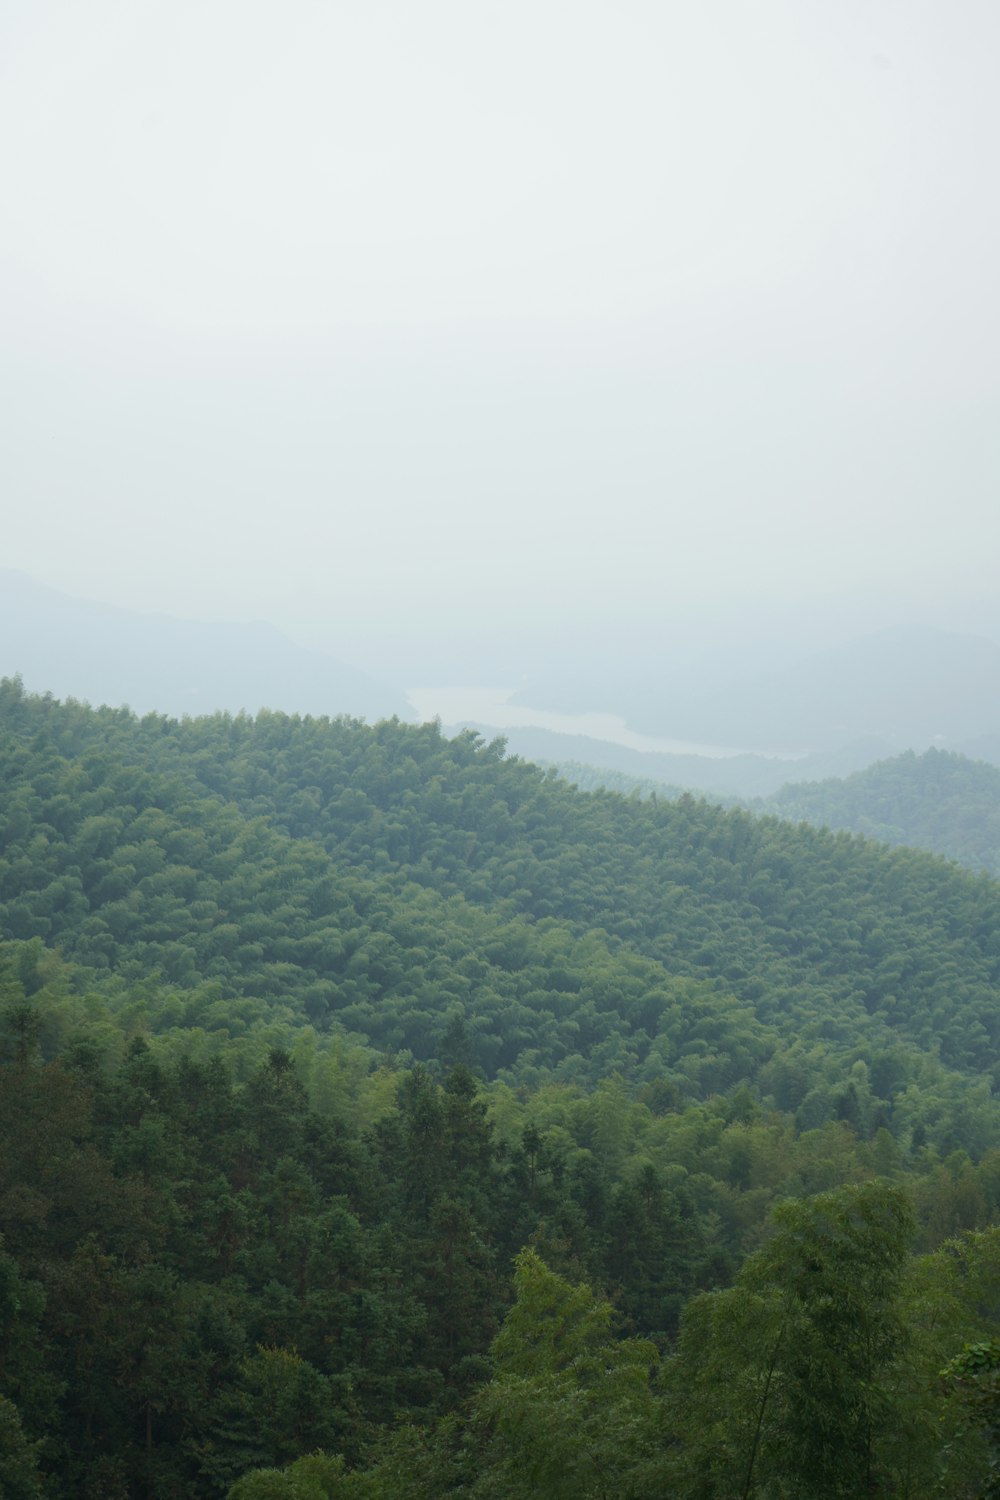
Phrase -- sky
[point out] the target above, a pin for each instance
(401, 325)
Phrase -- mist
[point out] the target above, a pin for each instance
(505, 345)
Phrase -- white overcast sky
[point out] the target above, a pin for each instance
(369, 315)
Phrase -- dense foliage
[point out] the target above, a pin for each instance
(309, 1028)
(937, 801)
(390, 881)
(200, 1278)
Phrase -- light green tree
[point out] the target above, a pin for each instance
(780, 1385)
(571, 1409)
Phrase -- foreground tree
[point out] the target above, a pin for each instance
(19, 1478)
(570, 1408)
(973, 1379)
(780, 1382)
(570, 1414)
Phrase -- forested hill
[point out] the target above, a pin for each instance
(308, 1029)
(938, 801)
(407, 887)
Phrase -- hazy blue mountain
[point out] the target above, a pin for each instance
(908, 688)
(729, 776)
(76, 648)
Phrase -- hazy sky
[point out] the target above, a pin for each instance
(370, 315)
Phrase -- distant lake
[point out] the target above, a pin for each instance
(492, 706)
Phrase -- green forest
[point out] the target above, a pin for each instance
(382, 1115)
(939, 801)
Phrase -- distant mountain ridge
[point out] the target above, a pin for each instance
(95, 652)
(908, 687)
(938, 801)
(730, 776)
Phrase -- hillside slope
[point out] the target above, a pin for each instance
(937, 801)
(392, 882)
(240, 1225)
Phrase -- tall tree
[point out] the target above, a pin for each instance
(786, 1371)
(571, 1408)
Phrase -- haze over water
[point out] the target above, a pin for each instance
(492, 706)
